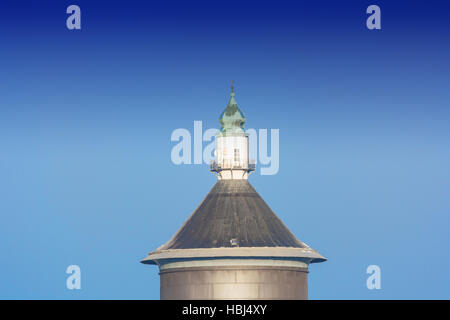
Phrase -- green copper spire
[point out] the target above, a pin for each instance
(232, 119)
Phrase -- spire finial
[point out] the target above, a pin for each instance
(232, 87)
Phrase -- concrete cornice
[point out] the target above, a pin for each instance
(244, 252)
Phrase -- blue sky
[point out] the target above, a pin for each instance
(86, 118)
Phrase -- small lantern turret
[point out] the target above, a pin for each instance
(232, 148)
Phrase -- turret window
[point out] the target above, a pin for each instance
(236, 155)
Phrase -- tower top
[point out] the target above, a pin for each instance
(232, 119)
(231, 155)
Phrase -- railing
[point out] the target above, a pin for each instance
(216, 167)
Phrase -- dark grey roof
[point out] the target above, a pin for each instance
(233, 210)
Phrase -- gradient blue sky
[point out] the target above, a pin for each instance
(86, 118)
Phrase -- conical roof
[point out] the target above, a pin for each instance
(232, 119)
(233, 210)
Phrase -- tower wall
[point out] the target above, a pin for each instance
(232, 151)
(232, 156)
(234, 282)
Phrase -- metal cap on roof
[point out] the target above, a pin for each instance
(232, 119)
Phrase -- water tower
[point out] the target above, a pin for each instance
(233, 246)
